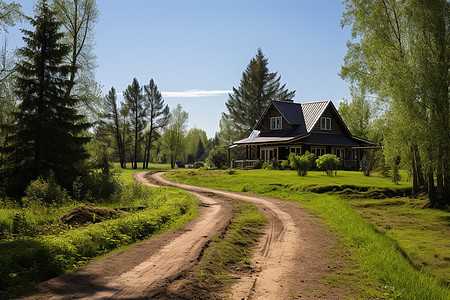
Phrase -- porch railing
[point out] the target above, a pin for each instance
(243, 164)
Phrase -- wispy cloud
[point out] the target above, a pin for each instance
(194, 93)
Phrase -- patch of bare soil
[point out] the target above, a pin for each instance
(84, 214)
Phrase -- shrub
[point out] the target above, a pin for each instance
(258, 164)
(328, 163)
(46, 191)
(268, 165)
(199, 164)
(218, 156)
(301, 163)
(285, 165)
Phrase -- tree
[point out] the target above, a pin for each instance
(157, 117)
(218, 157)
(10, 14)
(402, 55)
(357, 113)
(47, 131)
(257, 88)
(195, 145)
(173, 138)
(135, 103)
(78, 18)
(111, 118)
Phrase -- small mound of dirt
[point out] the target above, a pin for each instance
(84, 214)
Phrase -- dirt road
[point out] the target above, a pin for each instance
(289, 262)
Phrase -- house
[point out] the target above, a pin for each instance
(287, 127)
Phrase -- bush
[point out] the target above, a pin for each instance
(268, 165)
(301, 163)
(285, 165)
(218, 157)
(258, 164)
(46, 191)
(328, 163)
(199, 164)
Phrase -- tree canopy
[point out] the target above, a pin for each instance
(258, 87)
(401, 54)
(47, 133)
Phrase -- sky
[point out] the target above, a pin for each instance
(196, 50)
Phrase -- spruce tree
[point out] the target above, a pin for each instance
(47, 129)
(258, 87)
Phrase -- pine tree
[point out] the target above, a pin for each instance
(112, 120)
(47, 130)
(157, 116)
(258, 87)
(135, 102)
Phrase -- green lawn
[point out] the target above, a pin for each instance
(250, 179)
(398, 246)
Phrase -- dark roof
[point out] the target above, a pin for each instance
(330, 139)
(298, 114)
(291, 111)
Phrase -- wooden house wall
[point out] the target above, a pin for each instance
(335, 128)
(264, 126)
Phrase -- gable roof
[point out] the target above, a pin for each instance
(312, 112)
(307, 113)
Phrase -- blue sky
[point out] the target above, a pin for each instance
(197, 50)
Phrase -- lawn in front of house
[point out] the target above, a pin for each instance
(399, 246)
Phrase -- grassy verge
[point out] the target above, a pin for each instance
(232, 251)
(127, 174)
(25, 261)
(380, 256)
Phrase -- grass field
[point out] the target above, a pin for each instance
(399, 246)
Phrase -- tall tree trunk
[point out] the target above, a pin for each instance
(430, 186)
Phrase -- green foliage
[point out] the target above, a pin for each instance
(395, 173)
(301, 163)
(285, 165)
(398, 56)
(173, 139)
(268, 165)
(48, 132)
(328, 163)
(158, 116)
(199, 164)
(26, 261)
(258, 165)
(258, 87)
(135, 103)
(218, 157)
(46, 191)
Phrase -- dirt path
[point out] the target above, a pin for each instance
(289, 262)
(291, 259)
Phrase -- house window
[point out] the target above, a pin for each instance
(325, 123)
(275, 123)
(339, 152)
(296, 150)
(318, 151)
